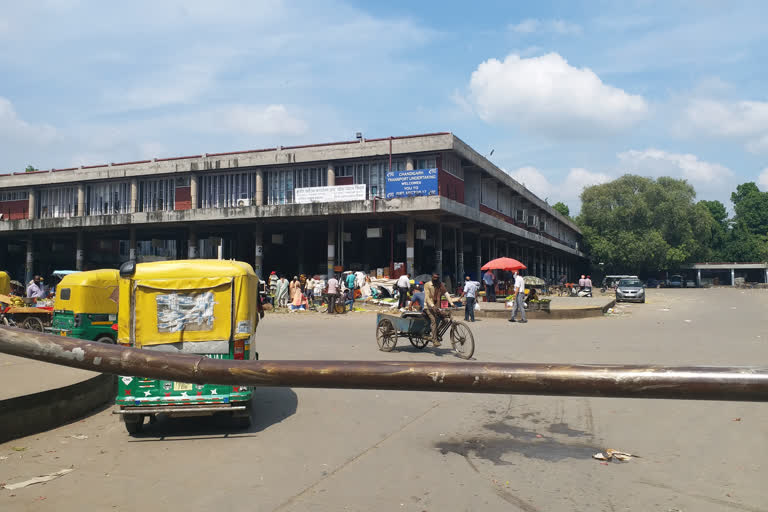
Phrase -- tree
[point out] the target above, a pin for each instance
(30, 169)
(562, 208)
(751, 207)
(637, 224)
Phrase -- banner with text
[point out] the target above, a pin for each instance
(330, 194)
(418, 182)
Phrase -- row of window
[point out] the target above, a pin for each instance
(14, 196)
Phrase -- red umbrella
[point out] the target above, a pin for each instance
(503, 264)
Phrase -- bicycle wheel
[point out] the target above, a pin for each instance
(386, 335)
(34, 324)
(462, 340)
(339, 309)
(418, 341)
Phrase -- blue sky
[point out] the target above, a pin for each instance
(567, 94)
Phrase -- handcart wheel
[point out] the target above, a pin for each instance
(418, 341)
(462, 340)
(386, 335)
(34, 324)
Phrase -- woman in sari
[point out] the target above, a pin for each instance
(282, 292)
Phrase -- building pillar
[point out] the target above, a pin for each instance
(439, 251)
(80, 200)
(220, 248)
(733, 277)
(135, 195)
(259, 188)
(29, 262)
(409, 164)
(479, 257)
(258, 256)
(331, 239)
(410, 247)
(194, 191)
(331, 175)
(192, 252)
(132, 244)
(31, 207)
(460, 256)
(79, 252)
(698, 278)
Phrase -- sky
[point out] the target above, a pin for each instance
(564, 94)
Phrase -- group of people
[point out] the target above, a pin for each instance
(299, 292)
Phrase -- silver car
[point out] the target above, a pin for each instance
(630, 290)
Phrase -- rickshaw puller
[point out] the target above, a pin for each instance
(433, 292)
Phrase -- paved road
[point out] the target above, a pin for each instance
(368, 450)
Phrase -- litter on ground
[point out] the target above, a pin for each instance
(38, 480)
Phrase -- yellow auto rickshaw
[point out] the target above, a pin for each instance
(86, 306)
(206, 307)
(5, 283)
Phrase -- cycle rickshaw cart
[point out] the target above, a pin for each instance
(417, 327)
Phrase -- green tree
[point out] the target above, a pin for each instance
(638, 224)
(562, 208)
(751, 207)
(720, 229)
(30, 169)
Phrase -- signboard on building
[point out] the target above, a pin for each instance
(330, 194)
(418, 182)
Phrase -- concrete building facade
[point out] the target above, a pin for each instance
(248, 206)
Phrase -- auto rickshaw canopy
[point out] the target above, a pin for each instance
(93, 291)
(188, 300)
(5, 283)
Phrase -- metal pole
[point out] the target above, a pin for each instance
(628, 381)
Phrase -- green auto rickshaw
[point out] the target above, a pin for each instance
(86, 306)
(205, 307)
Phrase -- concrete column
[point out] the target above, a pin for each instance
(478, 257)
(258, 257)
(132, 244)
(331, 238)
(32, 208)
(733, 277)
(331, 177)
(30, 261)
(220, 248)
(460, 256)
(80, 200)
(439, 251)
(194, 191)
(766, 276)
(409, 164)
(698, 278)
(192, 252)
(79, 251)
(259, 188)
(134, 195)
(410, 247)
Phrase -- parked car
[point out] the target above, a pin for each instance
(675, 282)
(630, 290)
(652, 283)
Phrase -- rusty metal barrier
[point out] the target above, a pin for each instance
(627, 381)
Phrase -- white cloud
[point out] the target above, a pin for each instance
(743, 120)
(17, 135)
(532, 25)
(656, 162)
(762, 180)
(269, 120)
(549, 96)
(567, 190)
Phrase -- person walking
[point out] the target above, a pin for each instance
(519, 299)
(350, 281)
(433, 293)
(333, 293)
(273, 283)
(582, 282)
(282, 292)
(490, 286)
(403, 283)
(470, 292)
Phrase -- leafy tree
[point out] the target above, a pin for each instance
(562, 208)
(30, 169)
(720, 229)
(638, 224)
(751, 207)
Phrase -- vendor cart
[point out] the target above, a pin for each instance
(28, 317)
(417, 327)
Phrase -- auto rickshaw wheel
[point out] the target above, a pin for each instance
(33, 324)
(419, 341)
(462, 340)
(133, 423)
(106, 339)
(244, 419)
(386, 336)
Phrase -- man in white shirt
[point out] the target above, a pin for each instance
(36, 289)
(519, 299)
(403, 282)
(470, 292)
(333, 293)
(582, 282)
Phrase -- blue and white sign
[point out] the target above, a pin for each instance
(418, 182)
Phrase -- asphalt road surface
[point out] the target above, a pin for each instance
(415, 451)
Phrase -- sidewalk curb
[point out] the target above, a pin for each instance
(26, 415)
(555, 314)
